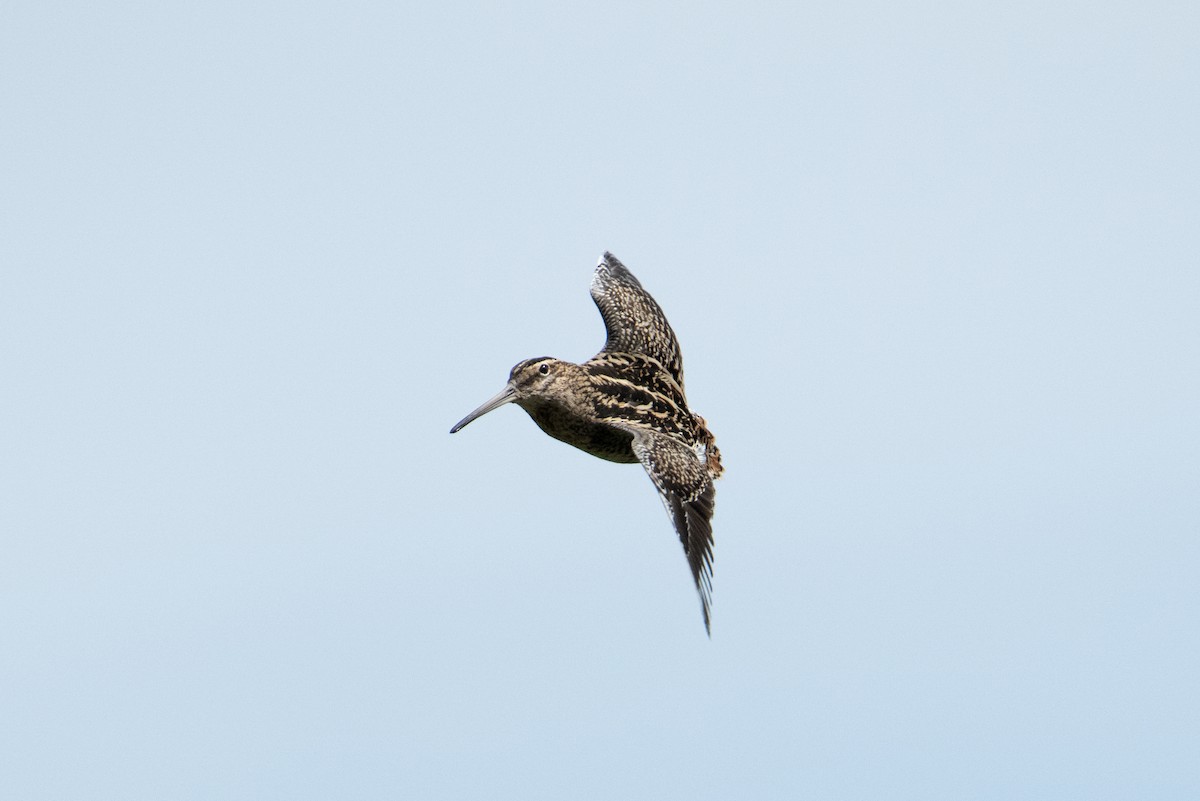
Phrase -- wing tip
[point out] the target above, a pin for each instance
(609, 266)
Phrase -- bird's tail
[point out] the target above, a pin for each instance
(712, 452)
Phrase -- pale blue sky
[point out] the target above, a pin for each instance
(936, 272)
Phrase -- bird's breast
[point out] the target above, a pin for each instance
(598, 439)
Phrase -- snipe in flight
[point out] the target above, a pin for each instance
(626, 404)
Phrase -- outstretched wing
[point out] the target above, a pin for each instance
(688, 493)
(634, 321)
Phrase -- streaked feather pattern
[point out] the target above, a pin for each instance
(627, 404)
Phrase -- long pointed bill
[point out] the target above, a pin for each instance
(507, 395)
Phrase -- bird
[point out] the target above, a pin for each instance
(627, 405)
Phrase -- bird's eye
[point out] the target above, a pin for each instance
(543, 368)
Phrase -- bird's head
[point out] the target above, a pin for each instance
(528, 379)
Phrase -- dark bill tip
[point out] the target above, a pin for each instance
(506, 395)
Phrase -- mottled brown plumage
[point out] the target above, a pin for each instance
(627, 404)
